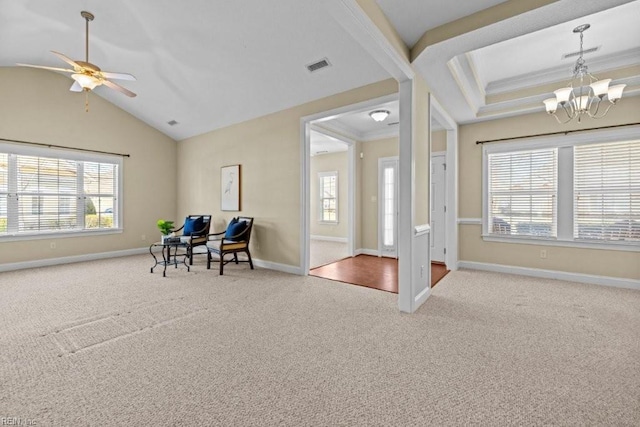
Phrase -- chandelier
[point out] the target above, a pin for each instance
(585, 93)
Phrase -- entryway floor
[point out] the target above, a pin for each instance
(371, 271)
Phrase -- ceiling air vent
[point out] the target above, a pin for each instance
(577, 53)
(172, 123)
(318, 65)
(393, 123)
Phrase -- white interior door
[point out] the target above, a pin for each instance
(438, 208)
(388, 206)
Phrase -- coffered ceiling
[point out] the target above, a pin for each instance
(510, 67)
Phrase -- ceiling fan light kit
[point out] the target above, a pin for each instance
(88, 76)
(585, 93)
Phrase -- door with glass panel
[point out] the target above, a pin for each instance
(388, 206)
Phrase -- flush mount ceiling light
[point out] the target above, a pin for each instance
(379, 115)
(585, 92)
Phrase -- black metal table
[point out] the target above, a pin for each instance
(167, 257)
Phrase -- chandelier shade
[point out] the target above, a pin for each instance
(585, 94)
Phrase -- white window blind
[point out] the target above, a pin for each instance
(607, 191)
(41, 194)
(522, 191)
(328, 196)
(4, 191)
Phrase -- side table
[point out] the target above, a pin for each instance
(167, 257)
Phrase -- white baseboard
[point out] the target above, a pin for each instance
(329, 239)
(71, 259)
(285, 268)
(371, 252)
(553, 274)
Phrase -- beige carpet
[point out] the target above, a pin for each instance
(107, 343)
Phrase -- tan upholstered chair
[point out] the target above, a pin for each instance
(194, 233)
(232, 241)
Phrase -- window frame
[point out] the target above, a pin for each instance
(565, 192)
(321, 198)
(62, 154)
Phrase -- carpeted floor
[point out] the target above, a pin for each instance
(108, 343)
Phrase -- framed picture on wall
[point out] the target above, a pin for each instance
(230, 188)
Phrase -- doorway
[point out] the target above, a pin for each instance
(438, 206)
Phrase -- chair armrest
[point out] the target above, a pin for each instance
(210, 235)
(178, 229)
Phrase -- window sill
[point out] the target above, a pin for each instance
(609, 246)
(59, 235)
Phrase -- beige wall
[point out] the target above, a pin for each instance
(372, 151)
(338, 162)
(422, 151)
(438, 141)
(268, 148)
(37, 106)
(473, 248)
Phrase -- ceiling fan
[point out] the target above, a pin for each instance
(88, 76)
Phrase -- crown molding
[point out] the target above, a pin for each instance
(601, 64)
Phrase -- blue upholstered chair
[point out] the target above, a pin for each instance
(194, 233)
(234, 240)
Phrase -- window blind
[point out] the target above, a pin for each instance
(4, 190)
(522, 190)
(607, 191)
(42, 194)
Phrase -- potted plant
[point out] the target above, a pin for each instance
(166, 227)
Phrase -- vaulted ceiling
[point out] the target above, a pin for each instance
(209, 64)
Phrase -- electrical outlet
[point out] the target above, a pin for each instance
(52, 245)
(543, 254)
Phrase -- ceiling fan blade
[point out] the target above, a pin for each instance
(75, 87)
(66, 59)
(117, 76)
(46, 68)
(119, 88)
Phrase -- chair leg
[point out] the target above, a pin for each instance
(190, 253)
(208, 260)
(221, 263)
(235, 257)
(250, 261)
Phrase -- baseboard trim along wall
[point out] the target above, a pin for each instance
(371, 252)
(329, 239)
(553, 274)
(71, 259)
(285, 268)
(471, 221)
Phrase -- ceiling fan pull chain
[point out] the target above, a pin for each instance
(86, 101)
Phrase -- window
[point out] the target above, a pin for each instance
(578, 190)
(328, 191)
(53, 191)
(522, 193)
(607, 191)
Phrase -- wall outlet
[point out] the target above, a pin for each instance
(543, 254)
(52, 245)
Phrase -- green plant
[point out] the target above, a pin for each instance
(165, 226)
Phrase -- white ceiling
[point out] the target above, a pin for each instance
(209, 64)
(205, 64)
(325, 144)
(412, 18)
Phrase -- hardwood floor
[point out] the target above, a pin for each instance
(371, 271)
